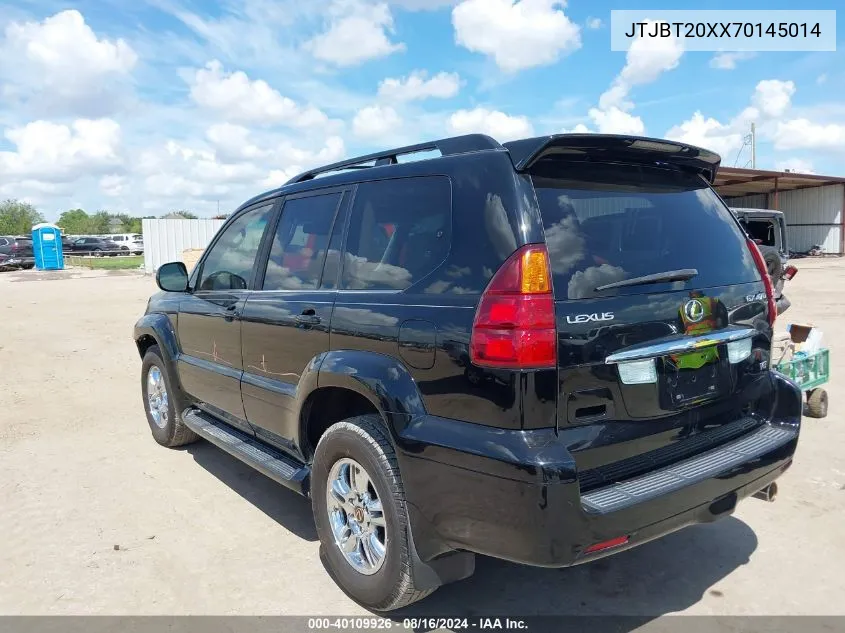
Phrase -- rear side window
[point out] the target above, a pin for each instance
(300, 244)
(399, 232)
(606, 223)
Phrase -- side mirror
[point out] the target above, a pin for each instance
(172, 277)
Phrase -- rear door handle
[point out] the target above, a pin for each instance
(231, 312)
(308, 317)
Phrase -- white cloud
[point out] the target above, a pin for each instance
(375, 122)
(178, 171)
(797, 165)
(60, 66)
(580, 128)
(418, 85)
(53, 153)
(232, 143)
(238, 98)
(517, 34)
(422, 5)
(112, 185)
(773, 97)
(614, 120)
(771, 101)
(499, 125)
(729, 60)
(646, 60)
(805, 134)
(594, 23)
(707, 133)
(358, 31)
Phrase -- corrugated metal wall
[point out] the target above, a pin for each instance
(754, 201)
(164, 240)
(813, 215)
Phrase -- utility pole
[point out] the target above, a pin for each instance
(753, 146)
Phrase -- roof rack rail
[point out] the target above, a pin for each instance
(446, 146)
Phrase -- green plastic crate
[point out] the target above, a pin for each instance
(809, 372)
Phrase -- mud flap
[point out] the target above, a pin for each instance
(445, 569)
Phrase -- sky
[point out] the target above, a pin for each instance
(149, 106)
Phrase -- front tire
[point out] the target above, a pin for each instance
(359, 509)
(165, 422)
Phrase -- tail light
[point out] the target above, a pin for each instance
(767, 280)
(790, 272)
(514, 325)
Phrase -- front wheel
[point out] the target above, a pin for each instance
(166, 424)
(359, 508)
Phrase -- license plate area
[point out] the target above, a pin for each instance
(694, 377)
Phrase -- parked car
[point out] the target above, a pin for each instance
(591, 278)
(97, 246)
(17, 250)
(767, 227)
(133, 242)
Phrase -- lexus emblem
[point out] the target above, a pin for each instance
(694, 310)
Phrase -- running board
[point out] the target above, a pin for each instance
(690, 471)
(264, 458)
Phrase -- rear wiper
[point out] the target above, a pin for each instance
(670, 275)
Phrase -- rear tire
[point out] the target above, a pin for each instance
(363, 441)
(817, 403)
(165, 421)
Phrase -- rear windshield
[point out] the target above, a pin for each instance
(606, 223)
(764, 232)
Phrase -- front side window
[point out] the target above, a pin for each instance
(229, 263)
(399, 232)
(299, 245)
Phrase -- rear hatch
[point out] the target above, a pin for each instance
(646, 260)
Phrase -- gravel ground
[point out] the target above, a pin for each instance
(98, 519)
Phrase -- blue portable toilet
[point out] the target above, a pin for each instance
(47, 247)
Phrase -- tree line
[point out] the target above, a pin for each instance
(18, 218)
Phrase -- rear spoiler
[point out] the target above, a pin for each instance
(616, 148)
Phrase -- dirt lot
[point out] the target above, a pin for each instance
(199, 533)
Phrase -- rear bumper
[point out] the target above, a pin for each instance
(515, 494)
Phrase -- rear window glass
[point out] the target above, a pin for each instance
(400, 231)
(762, 231)
(606, 223)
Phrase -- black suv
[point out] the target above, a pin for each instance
(16, 252)
(545, 351)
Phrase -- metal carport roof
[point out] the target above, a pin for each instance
(732, 182)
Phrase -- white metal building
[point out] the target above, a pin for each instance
(166, 240)
(814, 206)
